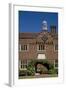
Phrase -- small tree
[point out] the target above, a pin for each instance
(31, 68)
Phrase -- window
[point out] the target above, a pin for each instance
(41, 47)
(23, 47)
(55, 47)
(23, 64)
(55, 64)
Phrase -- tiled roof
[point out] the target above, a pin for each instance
(35, 35)
(28, 35)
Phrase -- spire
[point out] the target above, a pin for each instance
(44, 26)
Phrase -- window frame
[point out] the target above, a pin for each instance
(22, 65)
(23, 49)
(39, 45)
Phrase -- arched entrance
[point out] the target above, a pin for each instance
(41, 67)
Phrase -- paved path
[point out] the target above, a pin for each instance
(38, 76)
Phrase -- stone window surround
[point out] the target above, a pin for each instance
(22, 65)
(25, 49)
(38, 47)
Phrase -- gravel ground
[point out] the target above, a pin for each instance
(38, 76)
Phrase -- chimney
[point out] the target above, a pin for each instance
(53, 29)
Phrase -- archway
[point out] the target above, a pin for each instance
(43, 67)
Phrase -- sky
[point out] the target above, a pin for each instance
(31, 21)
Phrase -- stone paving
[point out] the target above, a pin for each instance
(38, 76)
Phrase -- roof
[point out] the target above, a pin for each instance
(54, 36)
(28, 35)
(35, 35)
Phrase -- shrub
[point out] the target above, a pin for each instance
(56, 70)
(48, 67)
(53, 71)
(31, 69)
(22, 72)
(51, 66)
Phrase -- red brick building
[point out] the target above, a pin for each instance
(42, 45)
